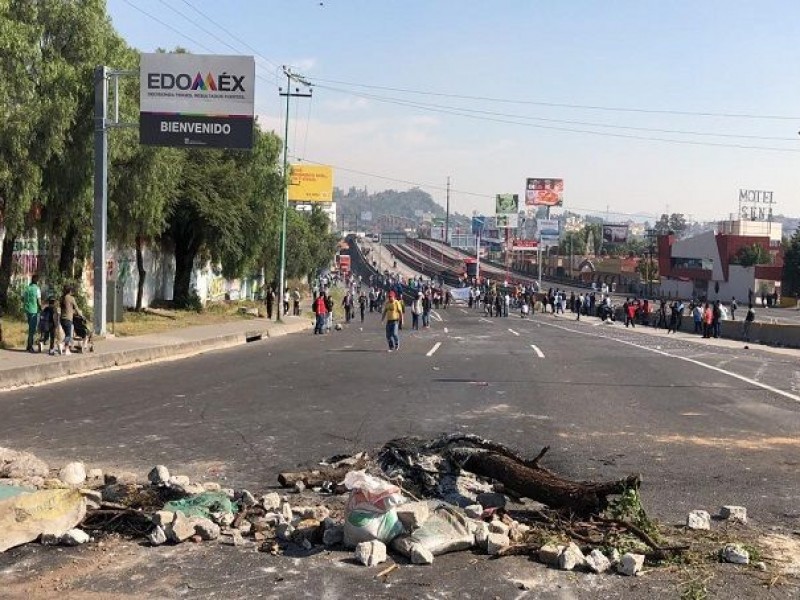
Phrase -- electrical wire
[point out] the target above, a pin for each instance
(433, 186)
(168, 26)
(563, 105)
(459, 112)
(794, 140)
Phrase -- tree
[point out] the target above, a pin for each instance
(573, 242)
(221, 205)
(671, 224)
(791, 266)
(748, 256)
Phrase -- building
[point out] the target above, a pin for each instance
(704, 265)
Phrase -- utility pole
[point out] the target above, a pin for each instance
(447, 215)
(289, 94)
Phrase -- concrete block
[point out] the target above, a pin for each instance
(630, 564)
(370, 553)
(734, 513)
(698, 519)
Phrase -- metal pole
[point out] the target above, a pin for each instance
(100, 213)
(478, 258)
(282, 277)
(539, 247)
(447, 216)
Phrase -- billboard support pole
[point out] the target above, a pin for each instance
(539, 270)
(282, 277)
(478, 258)
(100, 212)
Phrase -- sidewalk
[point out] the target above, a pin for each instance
(19, 368)
(683, 336)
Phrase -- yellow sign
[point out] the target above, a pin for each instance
(311, 184)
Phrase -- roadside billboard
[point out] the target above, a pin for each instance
(196, 100)
(615, 234)
(506, 204)
(510, 221)
(544, 192)
(524, 245)
(310, 184)
(548, 230)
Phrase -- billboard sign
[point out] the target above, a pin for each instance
(310, 184)
(755, 205)
(615, 234)
(506, 204)
(524, 245)
(510, 221)
(544, 192)
(549, 230)
(196, 100)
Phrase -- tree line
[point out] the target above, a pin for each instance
(218, 205)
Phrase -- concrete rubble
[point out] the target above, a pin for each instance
(466, 513)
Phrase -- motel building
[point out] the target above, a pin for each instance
(704, 266)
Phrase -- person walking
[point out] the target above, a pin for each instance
(708, 319)
(580, 307)
(362, 304)
(416, 311)
(734, 306)
(270, 300)
(321, 313)
(32, 305)
(748, 322)
(716, 322)
(697, 315)
(393, 316)
(69, 308)
(426, 310)
(296, 302)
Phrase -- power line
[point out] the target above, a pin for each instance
(168, 26)
(563, 121)
(458, 112)
(564, 105)
(441, 188)
(275, 66)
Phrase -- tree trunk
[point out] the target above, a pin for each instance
(185, 252)
(529, 480)
(66, 259)
(141, 271)
(6, 264)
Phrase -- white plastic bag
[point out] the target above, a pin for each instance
(370, 512)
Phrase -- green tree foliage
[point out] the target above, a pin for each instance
(674, 223)
(572, 242)
(749, 256)
(791, 266)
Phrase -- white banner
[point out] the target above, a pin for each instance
(460, 294)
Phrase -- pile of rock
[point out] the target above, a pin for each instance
(700, 520)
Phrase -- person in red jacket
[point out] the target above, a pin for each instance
(321, 312)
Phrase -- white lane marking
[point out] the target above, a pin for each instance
(445, 330)
(436, 316)
(485, 320)
(464, 310)
(514, 332)
(433, 350)
(539, 353)
(763, 386)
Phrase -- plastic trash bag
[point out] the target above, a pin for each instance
(447, 529)
(202, 505)
(26, 516)
(370, 512)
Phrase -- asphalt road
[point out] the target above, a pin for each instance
(719, 428)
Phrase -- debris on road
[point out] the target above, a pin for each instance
(419, 498)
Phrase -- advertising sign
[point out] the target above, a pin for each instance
(549, 230)
(311, 184)
(510, 221)
(755, 205)
(524, 245)
(506, 204)
(615, 234)
(544, 192)
(196, 100)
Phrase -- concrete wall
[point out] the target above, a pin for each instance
(740, 281)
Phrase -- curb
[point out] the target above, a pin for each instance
(20, 377)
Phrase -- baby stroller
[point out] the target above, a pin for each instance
(82, 337)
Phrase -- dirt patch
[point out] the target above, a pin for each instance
(782, 551)
(743, 443)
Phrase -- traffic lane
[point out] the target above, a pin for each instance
(243, 415)
(611, 409)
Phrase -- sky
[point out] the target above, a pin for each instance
(641, 106)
